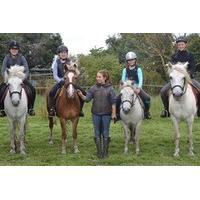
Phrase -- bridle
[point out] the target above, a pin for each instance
(15, 92)
(183, 88)
(132, 101)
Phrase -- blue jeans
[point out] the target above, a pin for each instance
(101, 125)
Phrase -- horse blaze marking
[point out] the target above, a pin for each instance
(70, 76)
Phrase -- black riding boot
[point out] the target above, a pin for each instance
(81, 107)
(118, 103)
(2, 113)
(51, 102)
(97, 141)
(165, 113)
(31, 112)
(106, 142)
(147, 114)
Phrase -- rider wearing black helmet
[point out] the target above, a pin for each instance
(16, 58)
(181, 55)
(58, 74)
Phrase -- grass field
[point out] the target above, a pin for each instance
(156, 142)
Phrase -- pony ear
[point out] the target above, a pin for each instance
(65, 67)
(121, 83)
(186, 65)
(75, 65)
(169, 65)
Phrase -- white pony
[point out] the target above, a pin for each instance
(182, 102)
(15, 104)
(131, 113)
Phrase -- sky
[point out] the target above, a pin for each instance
(82, 43)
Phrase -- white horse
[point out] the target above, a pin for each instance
(182, 102)
(131, 113)
(15, 104)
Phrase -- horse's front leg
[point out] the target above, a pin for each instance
(137, 134)
(22, 135)
(177, 135)
(64, 135)
(12, 137)
(74, 129)
(126, 136)
(189, 122)
(51, 139)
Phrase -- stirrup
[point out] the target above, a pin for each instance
(165, 113)
(31, 112)
(81, 114)
(2, 113)
(147, 115)
(52, 113)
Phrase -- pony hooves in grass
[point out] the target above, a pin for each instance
(76, 150)
(191, 153)
(12, 151)
(63, 152)
(176, 154)
(137, 152)
(51, 142)
(23, 152)
(125, 151)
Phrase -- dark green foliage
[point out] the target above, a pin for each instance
(98, 60)
(38, 48)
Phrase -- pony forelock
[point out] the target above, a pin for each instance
(15, 71)
(180, 68)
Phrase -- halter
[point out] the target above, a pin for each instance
(183, 88)
(15, 92)
(132, 102)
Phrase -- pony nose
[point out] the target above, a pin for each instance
(15, 103)
(126, 110)
(177, 94)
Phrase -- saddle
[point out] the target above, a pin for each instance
(3, 95)
(196, 93)
(28, 93)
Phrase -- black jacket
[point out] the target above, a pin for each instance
(185, 56)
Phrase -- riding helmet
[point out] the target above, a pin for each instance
(130, 56)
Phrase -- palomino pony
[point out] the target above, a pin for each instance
(15, 104)
(182, 102)
(131, 113)
(67, 107)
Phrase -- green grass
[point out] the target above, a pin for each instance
(156, 142)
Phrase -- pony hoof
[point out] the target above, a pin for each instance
(176, 154)
(22, 152)
(137, 153)
(126, 151)
(191, 153)
(63, 152)
(51, 142)
(76, 151)
(12, 151)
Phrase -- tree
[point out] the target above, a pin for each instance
(154, 50)
(38, 48)
(97, 60)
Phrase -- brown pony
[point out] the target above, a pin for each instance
(67, 107)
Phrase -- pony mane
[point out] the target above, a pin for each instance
(179, 67)
(15, 70)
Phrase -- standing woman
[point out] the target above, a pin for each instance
(14, 57)
(103, 110)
